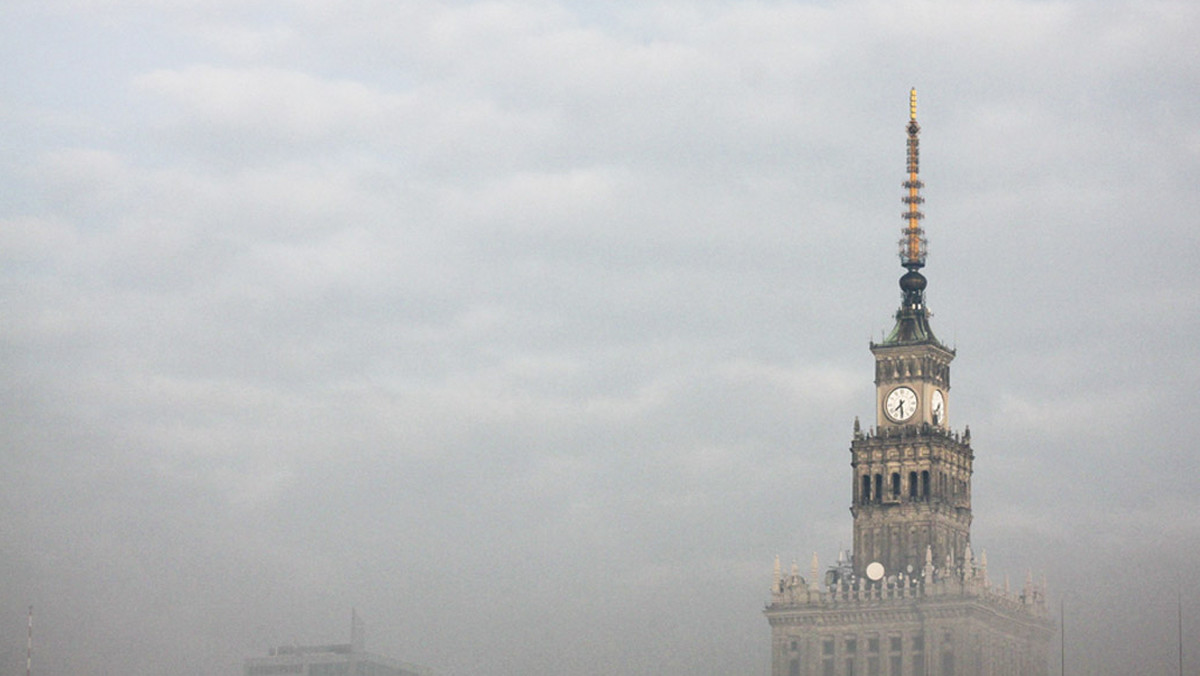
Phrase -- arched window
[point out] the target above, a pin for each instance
(896, 485)
(865, 496)
(924, 484)
(913, 486)
(878, 488)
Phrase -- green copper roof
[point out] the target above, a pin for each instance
(912, 328)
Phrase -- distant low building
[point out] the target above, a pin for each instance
(339, 659)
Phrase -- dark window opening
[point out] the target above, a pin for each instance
(947, 664)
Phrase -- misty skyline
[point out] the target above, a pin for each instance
(534, 331)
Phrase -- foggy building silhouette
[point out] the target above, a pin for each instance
(911, 598)
(339, 659)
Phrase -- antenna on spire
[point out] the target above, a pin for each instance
(912, 241)
(912, 244)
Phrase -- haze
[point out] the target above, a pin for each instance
(533, 331)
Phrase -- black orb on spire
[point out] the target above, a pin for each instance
(912, 281)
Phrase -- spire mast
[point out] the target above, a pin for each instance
(912, 240)
(912, 245)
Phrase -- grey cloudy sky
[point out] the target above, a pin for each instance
(535, 330)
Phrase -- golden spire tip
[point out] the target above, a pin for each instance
(912, 103)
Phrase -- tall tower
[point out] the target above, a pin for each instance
(911, 599)
(912, 478)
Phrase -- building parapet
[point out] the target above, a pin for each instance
(964, 581)
(907, 431)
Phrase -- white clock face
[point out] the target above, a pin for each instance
(938, 407)
(901, 404)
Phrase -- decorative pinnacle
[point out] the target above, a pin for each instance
(913, 243)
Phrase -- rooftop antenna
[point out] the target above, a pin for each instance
(358, 643)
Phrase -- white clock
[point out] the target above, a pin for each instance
(938, 407)
(901, 404)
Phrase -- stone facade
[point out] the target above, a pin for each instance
(944, 621)
(913, 493)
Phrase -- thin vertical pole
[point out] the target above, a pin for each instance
(29, 646)
(1179, 610)
(1062, 647)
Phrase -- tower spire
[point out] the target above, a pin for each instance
(912, 320)
(912, 241)
(912, 244)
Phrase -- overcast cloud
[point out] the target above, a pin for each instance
(535, 330)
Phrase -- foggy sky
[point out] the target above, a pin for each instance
(534, 331)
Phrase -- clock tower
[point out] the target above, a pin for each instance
(911, 598)
(912, 477)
